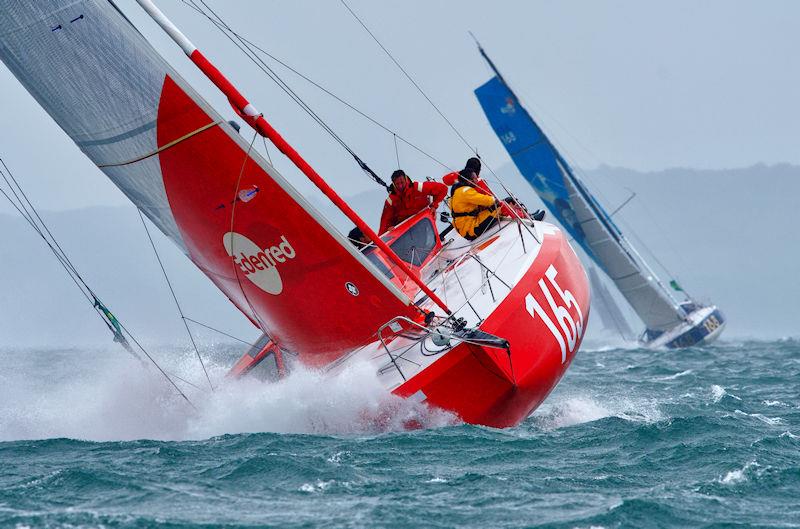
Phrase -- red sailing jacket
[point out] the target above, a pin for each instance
(451, 178)
(417, 195)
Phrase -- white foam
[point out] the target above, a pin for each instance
(718, 393)
(337, 457)
(318, 486)
(737, 476)
(676, 375)
(113, 398)
(564, 411)
(772, 421)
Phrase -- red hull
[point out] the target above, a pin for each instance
(490, 387)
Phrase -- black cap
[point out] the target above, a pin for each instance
(398, 174)
(474, 165)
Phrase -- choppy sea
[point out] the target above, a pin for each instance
(702, 437)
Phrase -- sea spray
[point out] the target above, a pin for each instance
(106, 396)
(351, 402)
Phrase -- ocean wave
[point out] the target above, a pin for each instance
(718, 393)
(573, 410)
(740, 475)
(775, 403)
(772, 421)
(677, 375)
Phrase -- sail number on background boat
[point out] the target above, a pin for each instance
(572, 330)
(711, 323)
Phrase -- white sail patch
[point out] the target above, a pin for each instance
(259, 265)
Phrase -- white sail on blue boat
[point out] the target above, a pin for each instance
(668, 322)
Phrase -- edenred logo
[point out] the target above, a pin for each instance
(259, 265)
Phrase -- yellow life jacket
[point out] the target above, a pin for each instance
(470, 207)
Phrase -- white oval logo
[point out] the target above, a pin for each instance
(259, 265)
(351, 288)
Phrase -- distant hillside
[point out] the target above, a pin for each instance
(729, 236)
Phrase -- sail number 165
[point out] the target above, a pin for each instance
(569, 331)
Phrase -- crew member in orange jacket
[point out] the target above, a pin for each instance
(407, 198)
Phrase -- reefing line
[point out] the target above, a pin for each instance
(256, 120)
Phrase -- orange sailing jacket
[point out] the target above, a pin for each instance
(400, 206)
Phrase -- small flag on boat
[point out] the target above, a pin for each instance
(111, 321)
(674, 284)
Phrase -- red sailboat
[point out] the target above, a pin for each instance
(484, 329)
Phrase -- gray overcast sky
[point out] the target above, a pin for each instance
(640, 84)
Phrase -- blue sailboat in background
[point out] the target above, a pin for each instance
(668, 322)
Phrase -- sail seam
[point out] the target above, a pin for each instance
(119, 137)
(169, 145)
(540, 141)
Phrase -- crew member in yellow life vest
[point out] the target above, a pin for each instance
(473, 211)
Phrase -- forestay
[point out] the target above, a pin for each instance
(183, 165)
(568, 200)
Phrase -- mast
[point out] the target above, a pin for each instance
(613, 230)
(256, 120)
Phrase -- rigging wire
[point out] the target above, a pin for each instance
(166, 375)
(344, 102)
(29, 212)
(408, 76)
(438, 111)
(23, 208)
(175, 297)
(47, 242)
(219, 331)
(243, 46)
(247, 47)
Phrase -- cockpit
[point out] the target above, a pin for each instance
(415, 241)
